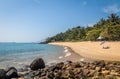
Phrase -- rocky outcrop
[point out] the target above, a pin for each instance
(8, 73)
(78, 70)
(66, 70)
(37, 64)
(11, 72)
(3, 74)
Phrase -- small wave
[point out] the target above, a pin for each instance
(82, 59)
(60, 57)
(67, 54)
(66, 50)
(65, 47)
(52, 62)
(20, 63)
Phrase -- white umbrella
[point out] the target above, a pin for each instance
(100, 37)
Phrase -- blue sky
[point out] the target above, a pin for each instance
(35, 20)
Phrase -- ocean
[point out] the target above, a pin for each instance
(20, 54)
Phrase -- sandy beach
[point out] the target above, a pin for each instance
(94, 50)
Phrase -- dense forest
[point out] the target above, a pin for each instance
(108, 29)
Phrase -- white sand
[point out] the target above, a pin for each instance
(94, 50)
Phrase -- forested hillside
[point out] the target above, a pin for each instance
(108, 28)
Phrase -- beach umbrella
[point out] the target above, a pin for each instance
(100, 38)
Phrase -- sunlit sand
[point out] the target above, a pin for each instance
(94, 50)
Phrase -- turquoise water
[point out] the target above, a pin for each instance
(19, 54)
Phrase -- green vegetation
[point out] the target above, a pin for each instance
(108, 28)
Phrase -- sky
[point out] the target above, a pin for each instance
(35, 20)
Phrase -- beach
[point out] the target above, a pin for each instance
(94, 50)
(69, 60)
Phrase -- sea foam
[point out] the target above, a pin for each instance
(67, 54)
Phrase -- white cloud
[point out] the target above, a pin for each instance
(111, 9)
(90, 25)
(84, 3)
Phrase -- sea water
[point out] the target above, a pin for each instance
(20, 54)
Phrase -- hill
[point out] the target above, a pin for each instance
(109, 29)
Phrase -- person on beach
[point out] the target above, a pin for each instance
(102, 42)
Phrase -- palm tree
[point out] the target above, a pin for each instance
(113, 19)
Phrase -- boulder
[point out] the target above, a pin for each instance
(38, 63)
(9, 68)
(3, 74)
(11, 72)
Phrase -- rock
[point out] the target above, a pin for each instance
(43, 73)
(99, 63)
(33, 73)
(95, 77)
(11, 72)
(37, 64)
(103, 69)
(106, 72)
(25, 68)
(109, 77)
(77, 70)
(86, 67)
(58, 66)
(113, 72)
(102, 63)
(68, 62)
(91, 74)
(3, 74)
(58, 75)
(71, 74)
(92, 67)
(67, 66)
(36, 73)
(50, 75)
(9, 68)
(36, 77)
(77, 65)
(77, 77)
(69, 70)
(20, 78)
(44, 77)
(20, 70)
(98, 74)
(86, 72)
(65, 75)
(21, 74)
(98, 69)
(96, 62)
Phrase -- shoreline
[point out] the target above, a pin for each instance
(74, 57)
(69, 55)
(93, 50)
(70, 65)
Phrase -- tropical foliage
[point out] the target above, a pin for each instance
(108, 28)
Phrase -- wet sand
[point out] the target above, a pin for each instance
(70, 55)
